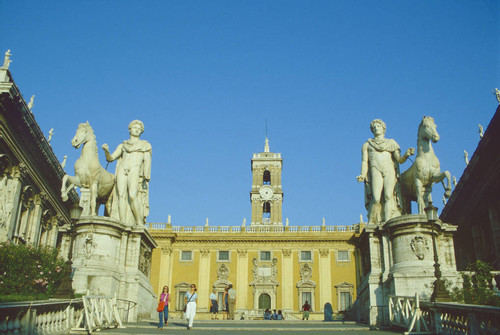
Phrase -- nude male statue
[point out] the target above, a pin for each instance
(133, 172)
(380, 172)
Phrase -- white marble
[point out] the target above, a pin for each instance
(89, 174)
(133, 172)
(380, 173)
(417, 181)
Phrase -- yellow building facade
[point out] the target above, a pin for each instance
(269, 264)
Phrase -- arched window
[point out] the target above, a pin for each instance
(264, 301)
(266, 210)
(267, 177)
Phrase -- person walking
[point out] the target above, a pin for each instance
(225, 307)
(306, 308)
(163, 315)
(214, 305)
(232, 301)
(190, 300)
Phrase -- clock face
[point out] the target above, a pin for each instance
(266, 192)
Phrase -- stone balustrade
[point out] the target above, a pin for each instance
(252, 229)
(443, 318)
(40, 317)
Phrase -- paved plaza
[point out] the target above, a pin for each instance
(225, 327)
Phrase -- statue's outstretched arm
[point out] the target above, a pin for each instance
(115, 155)
(401, 159)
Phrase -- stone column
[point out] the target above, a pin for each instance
(204, 281)
(164, 269)
(34, 222)
(325, 278)
(287, 291)
(242, 279)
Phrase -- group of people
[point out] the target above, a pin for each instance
(229, 303)
(190, 301)
(272, 316)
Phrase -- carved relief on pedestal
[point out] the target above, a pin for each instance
(89, 244)
(145, 261)
(419, 246)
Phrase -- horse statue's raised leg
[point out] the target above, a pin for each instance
(73, 182)
(447, 188)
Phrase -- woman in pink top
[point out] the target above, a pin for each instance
(163, 315)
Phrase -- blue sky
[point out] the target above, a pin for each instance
(204, 76)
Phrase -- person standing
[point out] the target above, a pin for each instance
(163, 315)
(306, 308)
(190, 300)
(214, 305)
(232, 301)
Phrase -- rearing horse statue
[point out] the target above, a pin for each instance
(418, 179)
(88, 172)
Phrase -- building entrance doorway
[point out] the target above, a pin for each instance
(264, 301)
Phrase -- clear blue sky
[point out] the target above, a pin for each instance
(204, 76)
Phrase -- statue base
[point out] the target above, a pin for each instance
(111, 258)
(397, 260)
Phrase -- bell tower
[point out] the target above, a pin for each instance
(266, 195)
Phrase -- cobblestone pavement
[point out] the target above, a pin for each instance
(214, 327)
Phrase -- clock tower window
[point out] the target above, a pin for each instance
(266, 210)
(267, 178)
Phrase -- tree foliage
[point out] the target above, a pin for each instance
(477, 288)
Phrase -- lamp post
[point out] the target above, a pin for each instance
(439, 294)
(65, 290)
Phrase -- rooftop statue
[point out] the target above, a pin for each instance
(496, 92)
(88, 172)
(32, 102)
(133, 172)
(418, 179)
(380, 172)
(6, 60)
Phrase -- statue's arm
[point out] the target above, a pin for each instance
(111, 157)
(364, 163)
(401, 159)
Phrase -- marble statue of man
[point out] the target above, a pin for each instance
(133, 172)
(380, 172)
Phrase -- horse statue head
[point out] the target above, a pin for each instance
(84, 133)
(427, 129)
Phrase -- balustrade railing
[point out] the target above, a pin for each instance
(89, 313)
(250, 229)
(424, 317)
(404, 312)
(40, 317)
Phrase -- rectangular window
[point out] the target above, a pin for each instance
(186, 256)
(265, 255)
(305, 256)
(223, 255)
(345, 301)
(343, 256)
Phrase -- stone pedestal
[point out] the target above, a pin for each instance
(111, 258)
(397, 259)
